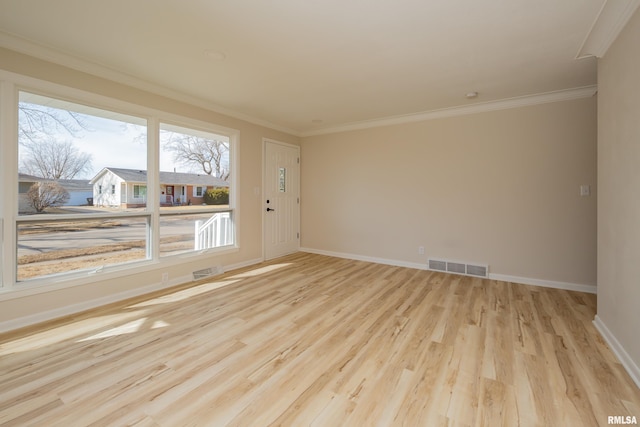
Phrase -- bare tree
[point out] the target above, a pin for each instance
(41, 154)
(46, 194)
(210, 155)
(37, 122)
(53, 159)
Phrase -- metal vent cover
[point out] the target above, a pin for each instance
(457, 267)
(207, 272)
(477, 270)
(435, 264)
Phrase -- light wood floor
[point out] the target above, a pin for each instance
(315, 340)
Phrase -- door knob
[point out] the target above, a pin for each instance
(270, 210)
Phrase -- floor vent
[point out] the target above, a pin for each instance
(479, 270)
(456, 267)
(207, 272)
(435, 264)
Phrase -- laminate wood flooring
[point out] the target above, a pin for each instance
(311, 340)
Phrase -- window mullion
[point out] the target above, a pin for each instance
(8, 181)
(153, 187)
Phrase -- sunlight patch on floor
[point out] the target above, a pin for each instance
(127, 328)
(259, 271)
(185, 293)
(159, 324)
(65, 332)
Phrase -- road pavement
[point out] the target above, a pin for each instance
(129, 230)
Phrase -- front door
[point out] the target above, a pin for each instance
(169, 194)
(281, 199)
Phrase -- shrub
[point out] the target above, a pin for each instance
(47, 194)
(217, 196)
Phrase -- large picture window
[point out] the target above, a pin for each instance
(88, 198)
(68, 155)
(195, 172)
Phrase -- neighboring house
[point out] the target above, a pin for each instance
(24, 184)
(127, 188)
(79, 190)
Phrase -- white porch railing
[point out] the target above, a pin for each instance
(215, 232)
(166, 199)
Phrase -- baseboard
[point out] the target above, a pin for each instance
(355, 257)
(590, 289)
(242, 264)
(515, 279)
(631, 367)
(47, 316)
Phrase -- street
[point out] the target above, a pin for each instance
(128, 230)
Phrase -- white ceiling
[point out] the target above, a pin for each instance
(292, 63)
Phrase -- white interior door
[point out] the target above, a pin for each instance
(281, 206)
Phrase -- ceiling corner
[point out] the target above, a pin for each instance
(612, 18)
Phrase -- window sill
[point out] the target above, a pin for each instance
(88, 277)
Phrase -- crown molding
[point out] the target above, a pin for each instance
(612, 18)
(55, 56)
(503, 104)
(59, 57)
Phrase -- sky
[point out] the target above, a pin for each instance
(113, 143)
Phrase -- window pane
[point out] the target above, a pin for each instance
(282, 180)
(78, 159)
(193, 162)
(181, 233)
(194, 185)
(46, 248)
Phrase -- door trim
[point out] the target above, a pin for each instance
(266, 141)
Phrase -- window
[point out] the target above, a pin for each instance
(139, 191)
(108, 208)
(201, 160)
(54, 247)
(199, 191)
(73, 149)
(282, 180)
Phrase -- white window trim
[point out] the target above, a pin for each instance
(195, 190)
(138, 197)
(10, 85)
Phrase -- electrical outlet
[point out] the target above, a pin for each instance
(420, 250)
(165, 277)
(585, 190)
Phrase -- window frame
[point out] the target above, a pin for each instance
(11, 84)
(139, 187)
(202, 191)
(196, 128)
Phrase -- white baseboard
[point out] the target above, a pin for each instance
(56, 313)
(515, 279)
(590, 289)
(631, 367)
(355, 257)
(242, 264)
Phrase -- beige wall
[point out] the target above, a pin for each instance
(498, 187)
(250, 148)
(619, 189)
